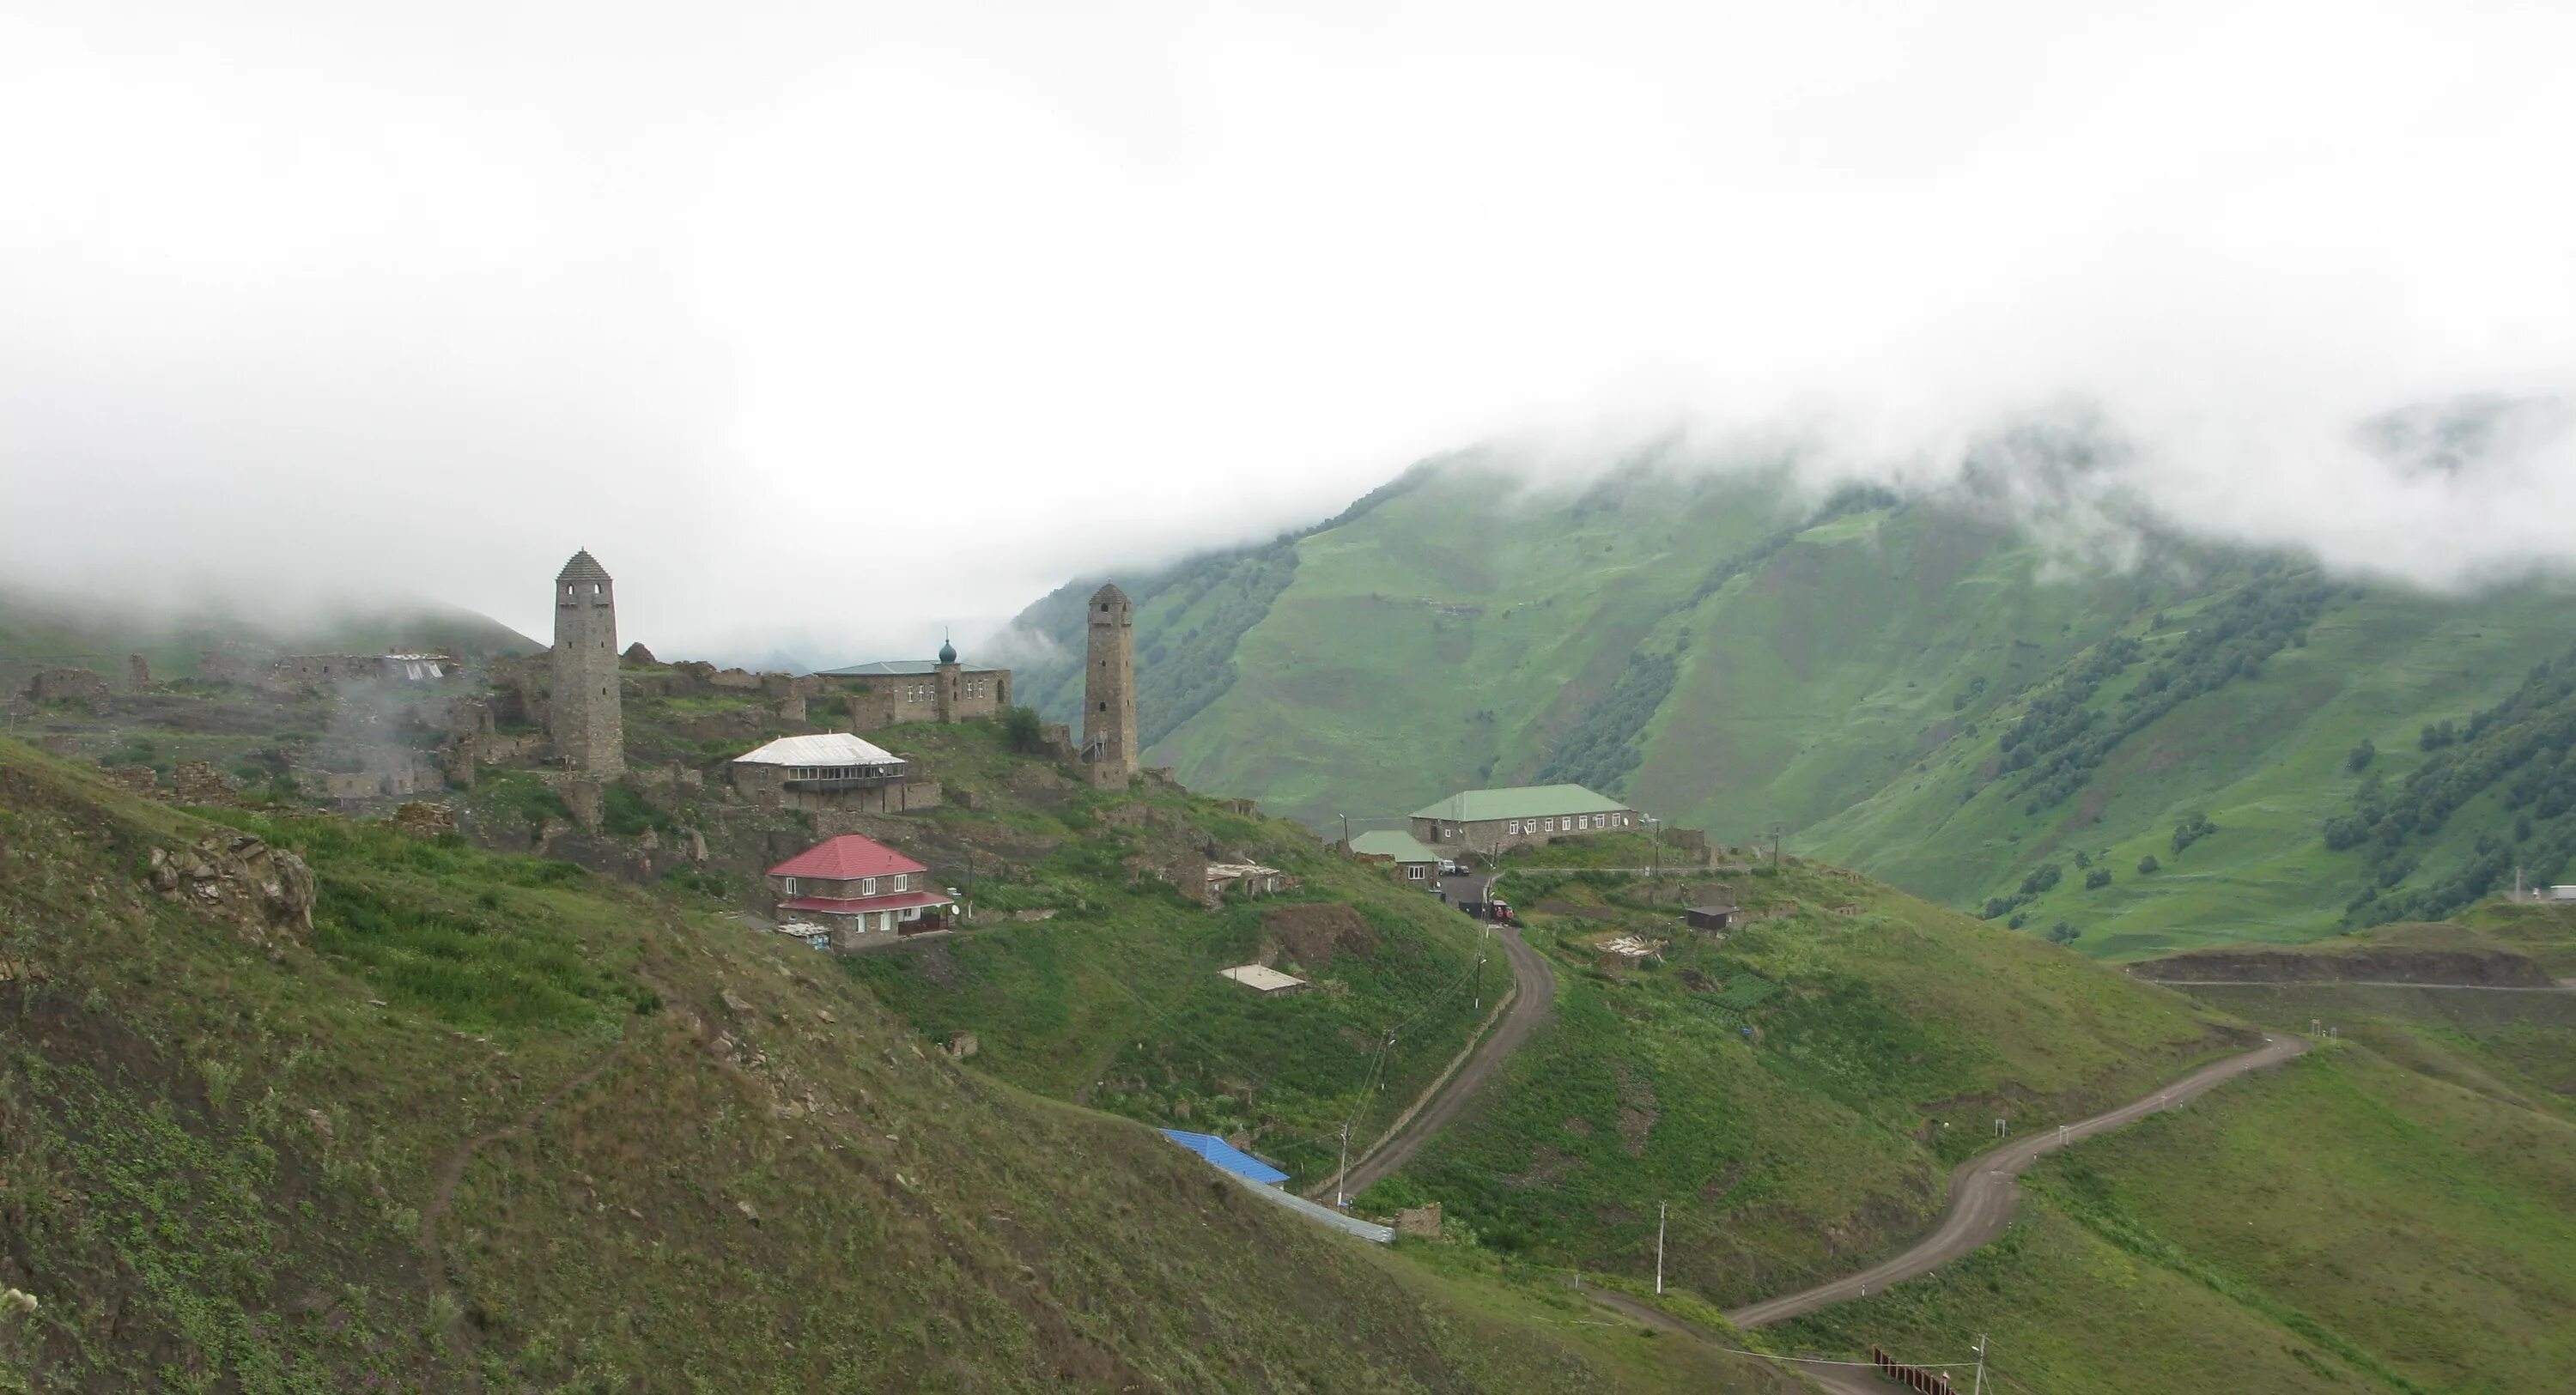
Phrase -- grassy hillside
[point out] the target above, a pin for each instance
(1796, 1091)
(2386, 1214)
(1909, 687)
(39, 629)
(491, 1123)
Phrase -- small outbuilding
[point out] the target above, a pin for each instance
(1262, 979)
(1711, 917)
(1405, 854)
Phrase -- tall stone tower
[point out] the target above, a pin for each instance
(1109, 689)
(581, 709)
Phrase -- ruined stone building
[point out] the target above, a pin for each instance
(886, 692)
(1109, 689)
(582, 716)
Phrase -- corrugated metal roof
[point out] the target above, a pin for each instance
(826, 748)
(1222, 1154)
(896, 668)
(1262, 976)
(846, 858)
(1519, 802)
(1403, 847)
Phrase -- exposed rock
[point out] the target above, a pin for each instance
(199, 782)
(636, 653)
(267, 893)
(1420, 1222)
(426, 819)
(963, 1045)
(134, 779)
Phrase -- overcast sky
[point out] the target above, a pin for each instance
(824, 324)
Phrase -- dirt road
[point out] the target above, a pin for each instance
(1535, 994)
(1982, 1194)
(1838, 1378)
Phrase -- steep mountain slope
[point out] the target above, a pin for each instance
(487, 1122)
(1730, 654)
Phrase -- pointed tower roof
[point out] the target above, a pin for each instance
(583, 567)
(1109, 592)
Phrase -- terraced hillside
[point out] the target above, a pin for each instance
(384, 1113)
(1912, 687)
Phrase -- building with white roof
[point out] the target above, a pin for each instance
(831, 770)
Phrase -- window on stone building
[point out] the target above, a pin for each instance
(867, 886)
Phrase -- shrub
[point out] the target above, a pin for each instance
(2147, 865)
(2097, 879)
(2041, 878)
(2061, 934)
(2361, 757)
(2190, 830)
(1023, 730)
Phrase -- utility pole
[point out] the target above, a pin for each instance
(1775, 847)
(1343, 1174)
(1981, 1365)
(1655, 827)
(1483, 938)
(1659, 1249)
(1346, 833)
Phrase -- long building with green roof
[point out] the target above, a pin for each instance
(1488, 821)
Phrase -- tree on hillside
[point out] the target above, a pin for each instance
(2097, 879)
(1024, 731)
(2148, 864)
(2192, 828)
(2061, 934)
(2361, 757)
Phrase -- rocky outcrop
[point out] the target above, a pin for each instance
(267, 893)
(199, 782)
(424, 818)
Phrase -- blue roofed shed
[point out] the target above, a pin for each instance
(1225, 1155)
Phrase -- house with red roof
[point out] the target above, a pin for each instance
(862, 888)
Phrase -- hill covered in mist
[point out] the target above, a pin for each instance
(2021, 700)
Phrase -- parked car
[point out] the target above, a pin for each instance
(1452, 869)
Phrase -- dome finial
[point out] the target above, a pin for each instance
(947, 651)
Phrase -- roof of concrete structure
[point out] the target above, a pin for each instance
(1262, 977)
(1519, 802)
(822, 748)
(846, 858)
(1222, 1154)
(583, 567)
(897, 668)
(1227, 871)
(1387, 842)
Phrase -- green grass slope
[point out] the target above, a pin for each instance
(1730, 655)
(495, 1124)
(2348, 1222)
(40, 629)
(1795, 1092)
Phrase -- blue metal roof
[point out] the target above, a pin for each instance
(1222, 1154)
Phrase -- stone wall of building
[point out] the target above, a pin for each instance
(67, 685)
(1109, 746)
(582, 701)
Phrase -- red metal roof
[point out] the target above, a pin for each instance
(846, 858)
(900, 901)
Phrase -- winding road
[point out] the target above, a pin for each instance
(1534, 994)
(1982, 1194)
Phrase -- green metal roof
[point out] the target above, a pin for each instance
(1392, 843)
(1519, 802)
(897, 668)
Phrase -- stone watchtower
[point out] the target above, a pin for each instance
(1109, 689)
(581, 705)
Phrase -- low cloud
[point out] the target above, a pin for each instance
(829, 330)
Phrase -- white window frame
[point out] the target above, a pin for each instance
(867, 886)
